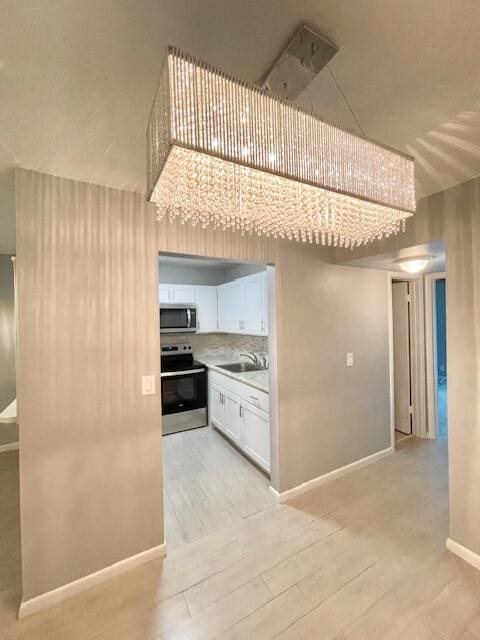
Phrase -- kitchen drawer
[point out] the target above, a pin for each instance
(249, 394)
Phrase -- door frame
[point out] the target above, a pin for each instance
(271, 281)
(417, 341)
(431, 350)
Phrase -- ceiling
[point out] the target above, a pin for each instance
(196, 262)
(386, 261)
(77, 78)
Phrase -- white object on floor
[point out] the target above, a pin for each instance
(9, 414)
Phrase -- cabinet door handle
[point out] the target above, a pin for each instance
(240, 410)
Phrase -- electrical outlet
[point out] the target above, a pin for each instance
(148, 385)
(350, 359)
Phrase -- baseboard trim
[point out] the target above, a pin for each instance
(13, 446)
(45, 600)
(331, 475)
(275, 492)
(462, 552)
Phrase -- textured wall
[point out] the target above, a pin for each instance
(90, 444)
(91, 472)
(329, 415)
(454, 217)
(8, 432)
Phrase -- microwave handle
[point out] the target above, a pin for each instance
(189, 318)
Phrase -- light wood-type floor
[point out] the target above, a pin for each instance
(208, 485)
(362, 557)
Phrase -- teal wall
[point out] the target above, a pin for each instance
(441, 328)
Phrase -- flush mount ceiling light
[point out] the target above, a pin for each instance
(414, 264)
(227, 154)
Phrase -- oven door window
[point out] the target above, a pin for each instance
(173, 318)
(184, 393)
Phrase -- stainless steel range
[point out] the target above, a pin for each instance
(184, 389)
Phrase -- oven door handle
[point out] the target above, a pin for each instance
(171, 374)
(189, 318)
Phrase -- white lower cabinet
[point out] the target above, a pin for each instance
(256, 435)
(232, 420)
(216, 408)
(241, 413)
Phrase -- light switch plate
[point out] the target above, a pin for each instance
(350, 359)
(148, 385)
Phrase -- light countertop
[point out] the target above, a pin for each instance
(256, 379)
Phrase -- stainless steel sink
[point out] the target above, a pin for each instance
(241, 367)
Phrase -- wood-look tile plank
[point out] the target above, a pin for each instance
(223, 614)
(251, 565)
(360, 557)
(270, 619)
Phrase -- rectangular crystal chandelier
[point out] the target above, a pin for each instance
(226, 154)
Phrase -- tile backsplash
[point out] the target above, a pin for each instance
(219, 345)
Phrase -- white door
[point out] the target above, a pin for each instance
(253, 304)
(164, 293)
(401, 356)
(183, 294)
(256, 435)
(233, 418)
(206, 298)
(231, 305)
(216, 406)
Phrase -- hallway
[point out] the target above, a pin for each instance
(361, 557)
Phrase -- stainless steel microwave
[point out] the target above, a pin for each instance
(178, 318)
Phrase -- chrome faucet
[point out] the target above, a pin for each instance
(253, 357)
(257, 361)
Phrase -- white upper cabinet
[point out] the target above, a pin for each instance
(242, 305)
(239, 306)
(184, 294)
(231, 305)
(207, 317)
(253, 310)
(177, 294)
(164, 293)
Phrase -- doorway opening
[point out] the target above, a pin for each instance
(441, 357)
(402, 358)
(436, 352)
(218, 360)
